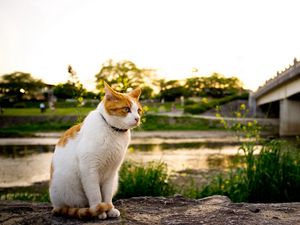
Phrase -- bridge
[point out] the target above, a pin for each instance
(281, 95)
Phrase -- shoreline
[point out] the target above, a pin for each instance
(138, 137)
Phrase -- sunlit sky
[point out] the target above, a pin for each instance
(248, 39)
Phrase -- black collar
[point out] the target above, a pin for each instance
(112, 127)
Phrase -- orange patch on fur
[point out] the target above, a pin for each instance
(117, 106)
(139, 106)
(83, 212)
(70, 133)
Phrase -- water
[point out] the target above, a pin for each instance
(22, 165)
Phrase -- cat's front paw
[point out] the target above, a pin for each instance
(113, 213)
(102, 216)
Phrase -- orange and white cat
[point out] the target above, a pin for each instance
(87, 158)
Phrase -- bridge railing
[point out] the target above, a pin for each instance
(280, 77)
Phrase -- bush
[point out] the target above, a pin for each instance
(155, 122)
(150, 179)
(202, 107)
(189, 102)
(198, 108)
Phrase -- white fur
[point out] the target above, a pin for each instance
(86, 168)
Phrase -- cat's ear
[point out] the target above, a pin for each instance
(111, 94)
(135, 93)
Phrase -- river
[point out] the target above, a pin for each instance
(26, 161)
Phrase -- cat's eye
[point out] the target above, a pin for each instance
(127, 109)
(139, 111)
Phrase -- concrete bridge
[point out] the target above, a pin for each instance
(281, 95)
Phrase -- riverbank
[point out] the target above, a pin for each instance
(28, 126)
(145, 137)
(214, 210)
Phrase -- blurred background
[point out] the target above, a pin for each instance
(220, 90)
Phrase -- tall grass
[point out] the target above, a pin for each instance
(268, 171)
(26, 196)
(148, 179)
(36, 193)
(271, 176)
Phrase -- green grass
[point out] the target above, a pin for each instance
(28, 129)
(150, 179)
(269, 173)
(156, 107)
(158, 122)
(271, 176)
(57, 112)
(150, 123)
(36, 193)
(26, 196)
(150, 107)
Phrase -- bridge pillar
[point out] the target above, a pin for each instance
(252, 104)
(289, 117)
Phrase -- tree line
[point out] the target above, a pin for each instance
(122, 76)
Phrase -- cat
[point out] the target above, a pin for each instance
(88, 156)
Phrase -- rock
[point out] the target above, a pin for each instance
(215, 210)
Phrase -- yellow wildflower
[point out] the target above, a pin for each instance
(243, 107)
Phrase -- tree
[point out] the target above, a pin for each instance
(122, 76)
(68, 90)
(215, 85)
(219, 86)
(147, 93)
(194, 86)
(72, 89)
(19, 86)
(170, 90)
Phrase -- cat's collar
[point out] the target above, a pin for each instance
(112, 127)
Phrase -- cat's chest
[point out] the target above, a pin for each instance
(112, 150)
(116, 144)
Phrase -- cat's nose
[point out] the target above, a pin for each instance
(136, 119)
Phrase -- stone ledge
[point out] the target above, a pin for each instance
(215, 210)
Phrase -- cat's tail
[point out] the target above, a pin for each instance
(82, 212)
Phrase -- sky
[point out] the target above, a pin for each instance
(249, 39)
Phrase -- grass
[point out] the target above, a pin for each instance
(270, 173)
(29, 129)
(158, 122)
(35, 193)
(51, 121)
(57, 112)
(271, 176)
(150, 123)
(156, 107)
(150, 179)
(153, 107)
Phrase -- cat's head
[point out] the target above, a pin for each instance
(123, 110)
